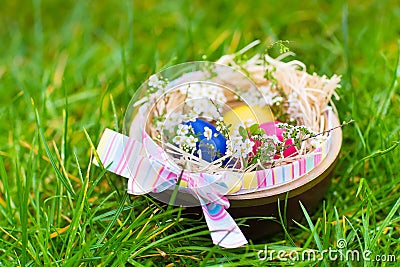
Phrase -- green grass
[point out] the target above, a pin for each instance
(67, 67)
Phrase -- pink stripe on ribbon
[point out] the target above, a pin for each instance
(292, 171)
(317, 156)
(303, 166)
(273, 176)
(158, 175)
(261, 179)
(218, 216)
(110, 148)
(125, 157)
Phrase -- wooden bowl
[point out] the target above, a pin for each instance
(308, 189)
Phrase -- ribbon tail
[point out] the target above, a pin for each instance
(115, 150)
(224, 230)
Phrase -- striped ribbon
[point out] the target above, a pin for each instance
(146, 173)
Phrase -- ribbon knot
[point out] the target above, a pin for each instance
(149, 170)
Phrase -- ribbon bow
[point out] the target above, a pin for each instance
(149, 170)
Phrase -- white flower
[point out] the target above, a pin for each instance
(236, 140)
(191, 115)
(172, 120)
(160, 126)
(178, 140)
(236, 153)
(210, 113)
(191, 141)
(199, 95)
(208, 92)
(236, 147)
(264, 96)
(207, 133)
(246, 147)
(220, 98)
(229, 148)
(201, 104)
(182, 129)
(155, 82)
(248, 144)
(252, 100)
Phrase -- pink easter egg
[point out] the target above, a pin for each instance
(271, 128)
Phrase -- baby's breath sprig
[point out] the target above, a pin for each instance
(282, 44)
(266, 151)
(301, 133)
(296, 133)
(186, 97)
(269, 75)
(158, 122)
(222, 127)
(156, 84)
(220, 123)
(208, 70)
(345, 123)
(185, 138)
(156, 88)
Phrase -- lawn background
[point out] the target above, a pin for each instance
(68, 67)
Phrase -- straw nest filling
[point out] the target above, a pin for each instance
(306, 97)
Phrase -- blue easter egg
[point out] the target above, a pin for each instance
(214, 147)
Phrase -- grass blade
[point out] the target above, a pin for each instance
(75, 224)
(63, 179)
(312, 228)
(4, 180)
(385, 223)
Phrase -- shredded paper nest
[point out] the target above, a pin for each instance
(299, 98)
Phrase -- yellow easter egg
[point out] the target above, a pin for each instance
(247, 115)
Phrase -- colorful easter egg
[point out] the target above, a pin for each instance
(212, 143)
(247, 115)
